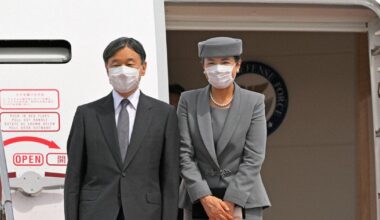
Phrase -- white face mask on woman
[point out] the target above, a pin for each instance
(123, 78)
(220, 76)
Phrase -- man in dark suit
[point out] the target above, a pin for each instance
(123, 148)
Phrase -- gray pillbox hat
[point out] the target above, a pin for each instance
(220, 47)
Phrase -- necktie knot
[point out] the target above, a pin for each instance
(124, 103)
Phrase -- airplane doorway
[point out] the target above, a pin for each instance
(319, 162)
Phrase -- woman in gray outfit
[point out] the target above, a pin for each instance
(223, 140)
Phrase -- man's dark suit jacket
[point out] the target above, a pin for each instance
(98, 183)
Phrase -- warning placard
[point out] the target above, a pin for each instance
(30, 121)
(29, 99)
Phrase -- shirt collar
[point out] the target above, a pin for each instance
(133, 99)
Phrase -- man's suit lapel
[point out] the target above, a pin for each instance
(204, 123)
(231, 122)
(141, 125)
(106, 118)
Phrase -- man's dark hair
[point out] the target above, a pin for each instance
(119, 44)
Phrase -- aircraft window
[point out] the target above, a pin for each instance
(34, 51)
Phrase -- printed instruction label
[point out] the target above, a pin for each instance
(30, 121)
(28, 159)
(56, 159)
(29, 99)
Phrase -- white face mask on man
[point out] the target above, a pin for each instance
(123, 78)
(220, 76)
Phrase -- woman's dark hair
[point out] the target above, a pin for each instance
(176, 89)
(119, 44)
(236, 58)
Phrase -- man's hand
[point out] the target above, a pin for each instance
(216, 209)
